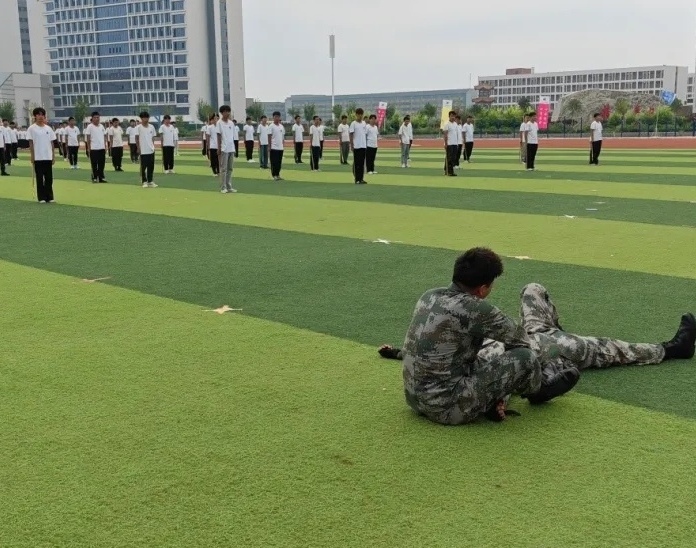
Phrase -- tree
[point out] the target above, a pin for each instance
(524, 103)
(337, 111)
(309, 111)
(255, 110)
(142, 107)
(204, 110)
(81, 109)
(621, 107)
(7, 110)
(573, 108)
(676, 105)
(429, 111)
(293, 111)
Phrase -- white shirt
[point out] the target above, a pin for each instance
(316, 134)
(523, 128)
(176, 134)
(372, 136)
(277, 136)
(248, 132)
(468, 133)
(596, 127)
(359, 131)
(298, 132)
(204, 131)
(72, 134)
(168, 133)
(323, 129)
(2, 138)
(131, 132)
(226, 132)
(96, 137)
(59, 135)
(406, 133)
(460, 136)
(452, 131)
(343, 132)
(42, 137)
(211, 130)
(264, 132)
(116, 133)
(532, 133)
(236, 132)
(14, 133)
(146, 138)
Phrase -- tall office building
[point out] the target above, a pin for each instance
(122, 55)
(15, 53)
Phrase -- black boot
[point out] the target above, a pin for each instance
(681, 347)
(556, 386)
(390, 352)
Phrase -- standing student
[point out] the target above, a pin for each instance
(212, 144)
(315, 143)
(358, 144)
(460, 140)
(64, 141)
(2, 153)
(596, 139)
(264, 132)
(277, 146)
(14, 140)
(405, 139)
(451, 134)
(298, 139)
(468, 138)
(204, 137)
(236, 138)
(249, 140)
(115, 133)
(72, 133)
(176, 139)
(531, 137)
(343, 131)
(22, 140)
(107, 133)
(323, 130)
(372, 144)
(7, 151)
(43, 155)
(225, 148)
(132, 132)
(168, 133)
(145, 140)
(95, 144)
(523, 139)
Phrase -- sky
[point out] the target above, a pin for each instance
(399, 45)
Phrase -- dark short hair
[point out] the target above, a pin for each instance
(115, 120)
(476, 267)
(315, 117)
(344, 116)
(144, 114)
(595, 115)
(407, 117)
(212, 117)
(234, 121)
(264, 117)
(248, 118)
(167, 117)
(452, 112)
(469, 116)
(532, 113)
(95, 113)
(71, 118)
(359, 111)
(5, 120)
(225, 108)
(132, 120)
(296, 116)
(276, 113)
(373, 116)
(36, 111)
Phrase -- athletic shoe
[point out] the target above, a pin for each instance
(681, 347)
(51, 201)
(369, 173)
(232, 190)
(42, 201)
(558, 385)
(362, 183)
(103, 181)
(4, 174)
(280, 179)
(403, 165)
(152, 185)
(223, 191)
(374, 173)
(389, 352)
(276, 178)
(145, 185)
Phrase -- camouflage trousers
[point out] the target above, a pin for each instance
(540, 320)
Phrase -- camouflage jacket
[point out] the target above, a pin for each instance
(446, 334)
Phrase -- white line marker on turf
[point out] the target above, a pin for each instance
(224, 309)
(569, 216)
(382, 241)
(88, 281)
(591, 209)
(521, 257)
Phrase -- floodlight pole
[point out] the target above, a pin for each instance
(332, 54)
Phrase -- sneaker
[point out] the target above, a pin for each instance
(363, 182)
(51, 201)
(152, 185)
(280, 179)
(232, 190)
(276, 178)
(4, 174)
(374, 173)
(403, 165)
(369, 173)
(223, 191)
(681, 347)
(558, 385)
(77, 166)
(145, 185)
(42, 201)
(103, 181)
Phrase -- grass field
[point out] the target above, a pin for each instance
(132, 415)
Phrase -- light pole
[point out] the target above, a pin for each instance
(332, 54)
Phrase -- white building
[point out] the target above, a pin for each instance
(25, 92)
(524, 82)
(690, 91)
(15, 52)
(124, 55)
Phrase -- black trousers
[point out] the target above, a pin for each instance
(315, 157)
(214, 161)
(147, 167)
(321, 148)
(8, 153)
(459, 153)
(168, 158)
(596, 151)
(44, 180)
(359, 164)
(72, 155)
(345, 151)
(236, 148)
(451, 156)
(468, 149)
(97, 158)
(276, 162)
(531, 154)
(249, 146)
(133, 152)
(15, 146)
(117, 157)
(2, 160)
(299, 147)
(370, 156)
(204, 152)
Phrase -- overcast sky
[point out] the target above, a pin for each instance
(391, 45)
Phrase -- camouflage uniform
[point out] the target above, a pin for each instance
(540, 320)
(452, 375)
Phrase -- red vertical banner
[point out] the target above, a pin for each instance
(543, 112)
(381, 113)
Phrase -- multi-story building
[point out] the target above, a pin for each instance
(25, 91)
(515, 84)
(690, 91)
(123, 55)
(15, 54)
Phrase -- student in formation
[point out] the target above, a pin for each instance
(176, 139)
(3, 172)
(405, 139)
(43, 155)
(460, 140)
(451, 133)
(95, 144)
(596, 139)
(225, 149)
(277, 146)
(298, 139)
(264, 132)
(72, 134)
(249, 140)
(64, 141)
(343, 131)
(204, 137)
(167, 132)
(14, 140)
(531, 137)
(236, 138)
(107, 134)
(315, 143)
(211, 143)
(115, 135)
(145, 139)
(22, 140)
(468, 129)
(523, 139)
(132, 132)
(372, 144)
(7, 151)
(323, 130)
(358, 144)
